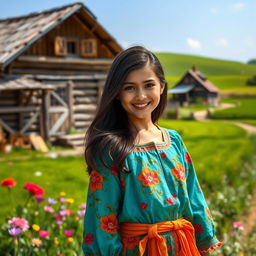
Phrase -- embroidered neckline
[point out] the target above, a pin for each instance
(153, 145)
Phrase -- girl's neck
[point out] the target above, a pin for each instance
(142, 126)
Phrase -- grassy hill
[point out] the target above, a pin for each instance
(175, 65)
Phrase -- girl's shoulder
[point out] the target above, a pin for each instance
(174, 135)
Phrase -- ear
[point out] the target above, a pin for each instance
(162, 88)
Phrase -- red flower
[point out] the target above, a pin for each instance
(148, 178)
(169, 201)
(143, 206)
(95, 181)
(198, 229)
(34, 189)
(109, 223)
(113, 169)
(88, 239)
(188, 158)
(174, 196)
(8, 183)
(163, 155)
(179, 172)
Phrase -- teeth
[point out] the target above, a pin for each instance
(141, 105)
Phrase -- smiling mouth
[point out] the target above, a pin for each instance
(141, 106)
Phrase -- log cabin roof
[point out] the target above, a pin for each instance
(17, 34)
(22, 83)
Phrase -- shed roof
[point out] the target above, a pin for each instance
(181, 89)
(22, 83)
(18, 33)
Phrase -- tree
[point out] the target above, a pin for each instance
(252, 61)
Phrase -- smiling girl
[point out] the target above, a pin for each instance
(143, 197)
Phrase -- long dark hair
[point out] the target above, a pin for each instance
(109, 132)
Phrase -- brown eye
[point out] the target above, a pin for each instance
(128, 88)
(150, 85)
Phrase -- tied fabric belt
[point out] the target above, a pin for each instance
(156, 243)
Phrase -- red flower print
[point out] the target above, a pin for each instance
(198, 228)
(122, 183)
(143, 206)
(109, 223)
(188, 158)
(179, 172)
(163, 155)
(174, 196)
(88, 239)
(169, 201)
(113, 169)
(34, 189)
(8, 183)
(148, 178)
(131, 242)
(95, 181)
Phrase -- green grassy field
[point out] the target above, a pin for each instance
(246, 109)
(175, 65)
(210, 145)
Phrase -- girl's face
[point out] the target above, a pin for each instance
(140, 94)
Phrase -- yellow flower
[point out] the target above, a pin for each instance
(70, 239)
(56, 241)
(70, 200)
(36, 213)
(36, 227)
(62, 193)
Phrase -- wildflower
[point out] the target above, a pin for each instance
(70, 239)
(57, 217)
(81, 213)
(83, 206)
(55, 241)
(43, 233)
(19, 222)
(14, 231)
(35, 227)
(68, 232)
(8, 183)
(70, 200)
(39, 199)
(36, 213)
(238, 225)
(48, 208)
(62, 193)
(62, 199)
(36, 242)
(34, 189)
(51, 201)
(66, 212)
(59, 222)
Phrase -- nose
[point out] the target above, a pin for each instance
(141, 94)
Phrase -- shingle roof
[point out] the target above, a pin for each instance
(18, 33)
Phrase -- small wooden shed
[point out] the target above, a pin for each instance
(53, 65)
(193, 86)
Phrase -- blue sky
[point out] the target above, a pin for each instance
(224, 29)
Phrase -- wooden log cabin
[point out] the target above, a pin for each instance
(52, 70)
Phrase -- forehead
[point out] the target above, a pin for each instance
(142, 74)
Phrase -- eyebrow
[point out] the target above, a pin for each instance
(146, 81)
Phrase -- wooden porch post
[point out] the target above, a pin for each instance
(45, 113)
(70, 102)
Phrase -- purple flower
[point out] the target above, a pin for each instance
(39, 199)
(59, 222)
(62, 199)
(14, 231)
(81, 213)
(51, 201)
(83, 206)
(48, 208)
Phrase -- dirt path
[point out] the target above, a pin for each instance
(251, 129)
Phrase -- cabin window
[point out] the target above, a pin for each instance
(72, 47)
(89, 48)
(60, 46)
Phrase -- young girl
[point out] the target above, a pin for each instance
(144, 197)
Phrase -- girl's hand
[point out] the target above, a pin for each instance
(205, 254)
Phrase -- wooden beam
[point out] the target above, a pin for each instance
(70, 103)
(18, 109)
(45, 112)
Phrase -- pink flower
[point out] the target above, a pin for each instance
(57, 217)
(238, 225)
(19, 222)
(81, 213)
(59, 222)
(66, 212)
(48, 208)
(68, 232)
(43, 233)
(83, 206)
(34, 189)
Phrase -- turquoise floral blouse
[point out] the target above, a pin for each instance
(162, 185)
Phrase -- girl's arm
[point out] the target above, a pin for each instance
(101, 235)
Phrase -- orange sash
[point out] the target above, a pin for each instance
(183, 230)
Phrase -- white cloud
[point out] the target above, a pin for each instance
(238, 6)
(222, 42)
(215, 10)
(194, 44)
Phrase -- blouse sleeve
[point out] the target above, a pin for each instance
(101, 236)
(201, 216)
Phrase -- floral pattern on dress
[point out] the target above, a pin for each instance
(109, 223)
(148, 178)
(95, 181)
(179, 172)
